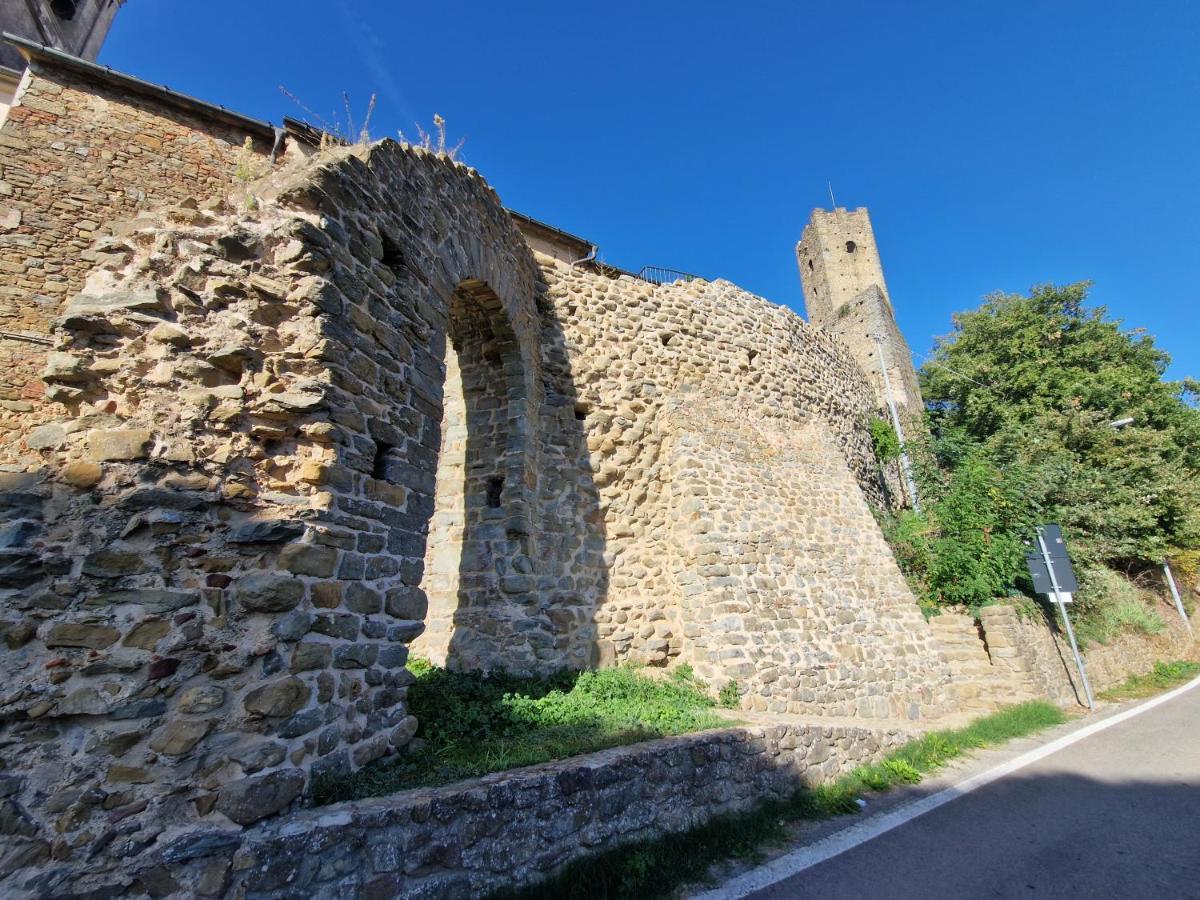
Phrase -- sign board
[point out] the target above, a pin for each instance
(1050, 569)
(1055, 545)
(1057, 549)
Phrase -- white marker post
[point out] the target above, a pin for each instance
(1175, 594)
(1062, 608)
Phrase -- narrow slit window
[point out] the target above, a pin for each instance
(379, 465)
(495, 489)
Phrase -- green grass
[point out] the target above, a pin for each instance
(1163, 677)
(471, 725)
(659, 867)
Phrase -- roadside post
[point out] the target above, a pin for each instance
(1052, 575)
(1175, 594)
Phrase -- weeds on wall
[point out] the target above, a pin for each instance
(885, 439)
(435, 142)
(340, 127)
(249, 168)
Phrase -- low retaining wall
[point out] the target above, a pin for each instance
(511, 828)
(1038, 659)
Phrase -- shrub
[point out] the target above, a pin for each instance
(887, 444)
(730, 696)
(1108, 604)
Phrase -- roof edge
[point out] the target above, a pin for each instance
(33, 51)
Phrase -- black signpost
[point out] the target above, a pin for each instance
(1050, 569)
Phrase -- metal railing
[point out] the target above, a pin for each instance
(659, 275)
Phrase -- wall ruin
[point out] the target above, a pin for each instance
(282, 439)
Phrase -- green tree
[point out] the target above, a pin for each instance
(1032, 382)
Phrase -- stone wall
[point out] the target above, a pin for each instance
(1038, 658)
(726, 442)
(280, 436)
(213, 576)
(77, 154)
(513, 828)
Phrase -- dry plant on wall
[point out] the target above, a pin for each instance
(250, 167)
(335, 129)
(426, 141)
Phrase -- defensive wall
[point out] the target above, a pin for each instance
(272, 418)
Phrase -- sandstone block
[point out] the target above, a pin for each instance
(179, 737)
(362, 599)
(93, 637)
(355, 656)
(308, 559)
(311, 656)
(19, 568)
(119, 444)
(152, 600)
(266, 531)
(201, 699)
(46, 437)
(269, 592)
(250, 799)
(404, 732)
(81, 474)
(407, 603)
(279, 698)
(146, 635)
(109, 563)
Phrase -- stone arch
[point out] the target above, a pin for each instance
(457, 400)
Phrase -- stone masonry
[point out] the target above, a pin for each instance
(845, 294)
(514, 828)
(274, 416)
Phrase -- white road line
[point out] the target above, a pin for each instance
(849, 838)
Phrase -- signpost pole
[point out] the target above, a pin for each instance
(905, 467)
(1062, 608)
(1175, 593)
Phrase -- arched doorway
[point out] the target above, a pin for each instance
(479, 559)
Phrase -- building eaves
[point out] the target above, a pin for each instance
(33, 51)
(538, 225)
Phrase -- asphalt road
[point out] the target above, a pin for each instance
(1115, 815)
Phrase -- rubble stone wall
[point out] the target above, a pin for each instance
(279, 437)
(727, 447)
(516, 828)
(1038, 658)
(76, 156)
(213, 576)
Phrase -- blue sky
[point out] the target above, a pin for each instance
(997, 145)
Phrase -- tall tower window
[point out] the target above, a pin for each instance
(851, 246)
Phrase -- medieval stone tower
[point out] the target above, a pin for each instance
(846, 295)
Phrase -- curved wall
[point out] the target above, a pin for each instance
(727, 442)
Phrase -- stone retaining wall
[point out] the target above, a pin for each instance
(1038, 658)
(512, 828)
